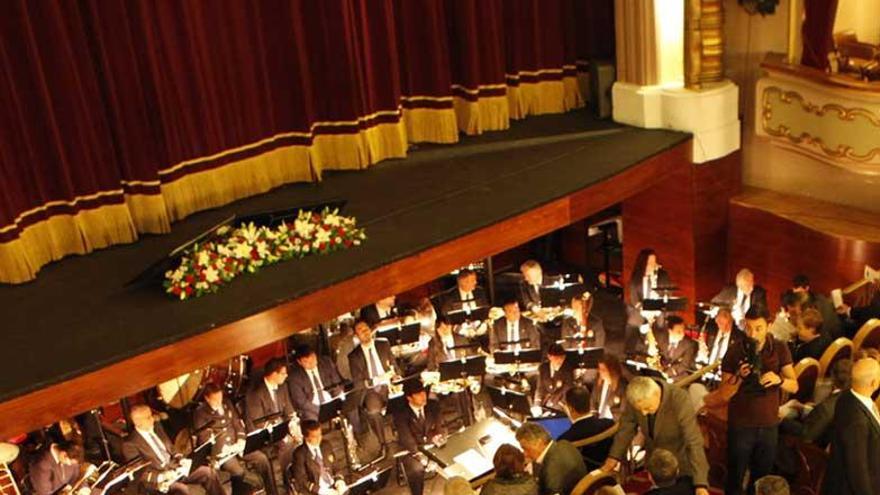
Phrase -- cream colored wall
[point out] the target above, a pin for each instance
(861, 17)
(748, 40)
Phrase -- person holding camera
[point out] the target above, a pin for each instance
(755, 372)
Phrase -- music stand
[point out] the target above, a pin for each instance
(587, 358)
(279, 431)
(371, 482)
(460, 316)
(120, 477)
(670, 304)
(524, 356)
(329, 409)
(510, 401)
(256, 440)
(401, 335)
(642, 369)
(462, 368)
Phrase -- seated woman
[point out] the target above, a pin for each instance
(608, 395)
(510, 475)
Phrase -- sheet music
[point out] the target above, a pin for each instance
(473, 462)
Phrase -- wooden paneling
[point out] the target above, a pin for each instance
(138, 373)
(684, 219)
(777, 246)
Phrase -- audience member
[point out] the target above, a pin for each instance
(832, 326)
(557, 464)
(854, 466)
(458, 486)
(662, 469)
(771, 485)
(584, 425)
(759, 370)
(785, 325)
(815, 427)
(666, 418)
(811, 341)
(510, 475)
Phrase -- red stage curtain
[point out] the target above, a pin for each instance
(123, 117)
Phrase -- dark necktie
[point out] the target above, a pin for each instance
(272, 393)
(374, 366)
(315, 385)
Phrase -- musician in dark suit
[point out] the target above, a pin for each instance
(417, 425)
(678, 352)
(381, 310)
(148, 441)
(218, 417)
(720, 336)
(269, 398)
(555, 377)
(466, 292)
(372, 368)
(55, 468)
(666, 417)
(513, 327)
(854, 466)
(584, 425)
(312, 382)
(742, 296)
(530, 285)
(557, 464)
(312, 468)
(440, 348)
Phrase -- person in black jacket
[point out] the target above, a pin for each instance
(530, 285)
(418, 424)
(313, 382)
(583, 328)
(55, 469)
(149, 442)
(811, 341)
(645, 278)
(218, 417)
(268, 399)
(854, 465)
(441, 346)
(312, 468)
(662, 466)
(372, 369)
(465, 293)
(678, 352)
(555, 377)
(382, 310)
(513, 327)
(584, 425)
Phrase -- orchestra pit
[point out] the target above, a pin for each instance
(440, 247)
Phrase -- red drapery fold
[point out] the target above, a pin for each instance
(122, 117)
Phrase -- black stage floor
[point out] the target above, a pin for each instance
(77, 316)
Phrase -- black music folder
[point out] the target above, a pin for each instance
(329, 409)
(524, 356)
(667, 304)
(401, 335)
(458, 315)
(587, 358)
(370, 482)
(462, 368)
(201, 455)
(510, 401)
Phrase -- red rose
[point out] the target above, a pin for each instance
(202, 277)
(189, 290)
(176, 290)
(189, 279)
(348, 243)
(322, 246)
(254, 254)
(340, 232)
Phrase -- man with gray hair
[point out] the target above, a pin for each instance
(771, 485)
(557, 465)
(742, 296)
(666, 418)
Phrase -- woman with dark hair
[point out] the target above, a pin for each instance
(646, 276)
(608, 395)
(510, 475)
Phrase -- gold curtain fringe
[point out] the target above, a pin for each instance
(491, 113)
(225, 184)
(431, 125)
(60, 235)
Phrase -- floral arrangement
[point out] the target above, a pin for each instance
(209, 265)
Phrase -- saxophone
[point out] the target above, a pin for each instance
(350, 445)
(653, 359)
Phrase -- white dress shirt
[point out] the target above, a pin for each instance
(868, 403)
(719, 347)
(513, 332)
(468, 303)
(155, 443)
